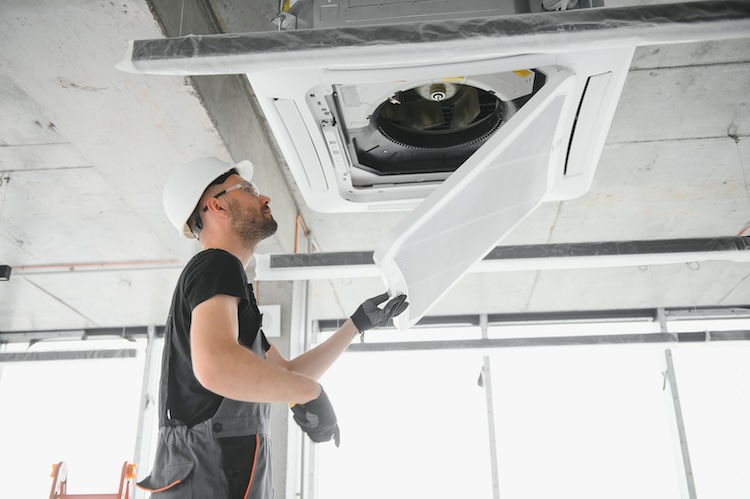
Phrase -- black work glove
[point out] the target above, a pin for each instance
(317, 419)
(368, 315)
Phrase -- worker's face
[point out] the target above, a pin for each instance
(251, 217)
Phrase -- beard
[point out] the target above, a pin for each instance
(250, 225)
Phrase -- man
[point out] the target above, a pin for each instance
(219, 372)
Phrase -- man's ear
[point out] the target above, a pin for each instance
(216, 206)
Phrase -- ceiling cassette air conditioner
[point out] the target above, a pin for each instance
(472, 147)
(384, 138)
(372, 125)
(471, 136)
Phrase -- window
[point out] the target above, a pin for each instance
(82, 412)
(413, 424)
(570, 421)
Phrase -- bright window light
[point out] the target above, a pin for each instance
(412, 425)
(582, 422)
(714, 385)
(82, 412)
(572, 329)
(571, 421)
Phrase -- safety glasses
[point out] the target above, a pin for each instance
(247, 187)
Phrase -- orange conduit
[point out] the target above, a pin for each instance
(299, 223)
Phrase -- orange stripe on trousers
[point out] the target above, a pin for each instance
(255, 463)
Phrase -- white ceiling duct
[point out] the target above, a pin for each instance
(341, 265)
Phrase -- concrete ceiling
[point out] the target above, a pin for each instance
(85, 150)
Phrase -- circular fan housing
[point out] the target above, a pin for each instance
(430, 128)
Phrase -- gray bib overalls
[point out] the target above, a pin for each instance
(188, 460)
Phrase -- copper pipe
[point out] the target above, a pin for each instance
(72, 266)
(299, 222)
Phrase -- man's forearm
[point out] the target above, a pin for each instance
(241, 375)
(316, 361)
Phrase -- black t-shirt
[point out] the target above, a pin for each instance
(209, 273)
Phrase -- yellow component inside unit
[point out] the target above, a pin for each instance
(523, 73)
(453, 79)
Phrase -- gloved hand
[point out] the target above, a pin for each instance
(368, 315)
(317, 419)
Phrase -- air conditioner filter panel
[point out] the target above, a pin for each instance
(457, 225)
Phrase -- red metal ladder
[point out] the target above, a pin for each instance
(60, 484)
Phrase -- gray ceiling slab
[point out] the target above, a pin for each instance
(70, 215)
(123, 297)
(743, 156)
(660, 190)
(710, 52)
(676, 285)
(245, 17)
(683, 103)
(635, 287)
(27, 307)
(40, 157)
(133, 131)
(22, 120)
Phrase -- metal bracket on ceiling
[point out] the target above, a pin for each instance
(285, 21)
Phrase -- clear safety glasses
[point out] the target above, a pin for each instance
(247, 187)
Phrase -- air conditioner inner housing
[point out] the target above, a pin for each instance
(430, 128)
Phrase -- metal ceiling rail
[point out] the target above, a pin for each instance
(17, 357)
(131, 333)
(104, 333)
(573, 317)
(587, 340)
(120, 266)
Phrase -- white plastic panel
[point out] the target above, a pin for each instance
(591, 114)
(299, 134)
(463, 219)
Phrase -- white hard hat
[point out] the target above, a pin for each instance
(187, 184)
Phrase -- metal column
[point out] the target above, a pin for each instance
(298, 461)
(3, 348)
(486, 380)
(686, 481)
(149, 402)
(301, 454)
